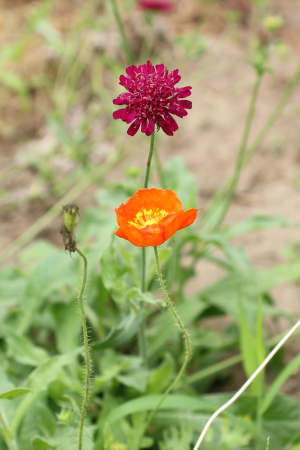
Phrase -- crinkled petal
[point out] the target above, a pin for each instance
(147, 199)
(188, 217)
(150, 236)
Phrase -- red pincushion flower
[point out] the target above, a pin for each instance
(156, 5)
(152, 98)
(152, 216)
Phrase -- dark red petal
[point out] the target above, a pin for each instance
(171, 121)
(164, 126)
(151, 127)
(133, 129)
(177, 110)
(118, 101)
(187, 104)
(144, 126)
(120, 114)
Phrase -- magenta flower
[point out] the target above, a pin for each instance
(156, 5)
(152, 99)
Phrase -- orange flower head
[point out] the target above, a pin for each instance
(151, 216)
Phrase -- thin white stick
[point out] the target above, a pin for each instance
(248, 382)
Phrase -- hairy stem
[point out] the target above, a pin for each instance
(248, 382)
(186, 340)
(141, 333)
(87, 356)
(127, 49)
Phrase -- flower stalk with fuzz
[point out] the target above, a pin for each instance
(152, 216)
(152, 99)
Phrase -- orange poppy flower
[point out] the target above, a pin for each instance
(152, 216)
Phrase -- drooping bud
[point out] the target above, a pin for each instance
(70, 213)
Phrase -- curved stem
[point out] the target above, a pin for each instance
(186, 339)
(88, 362)
(248, 382)
(241, 154)
(141, 333)
(126, 46)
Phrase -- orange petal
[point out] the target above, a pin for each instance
(188, 218)
(120, 233)
(147, 199)
(152, 235)
(171, 223)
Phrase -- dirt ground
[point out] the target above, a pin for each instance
(207, 140)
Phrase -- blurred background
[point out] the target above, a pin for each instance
(60, 61)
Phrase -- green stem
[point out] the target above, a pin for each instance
(7, 434)
(186, 340)
(141, 333)
(258, 140)
(150, 154)
(241, 154)
(275, 115)
(159, 169)
(88, 362)
(126, 46)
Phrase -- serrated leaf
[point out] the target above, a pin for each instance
(14, 393)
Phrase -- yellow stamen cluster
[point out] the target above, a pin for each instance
(148, 217)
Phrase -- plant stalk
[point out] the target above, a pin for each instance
(127, 49)
(141, 332)
(87, 356)
(248, 382)
(186, 340)
(241, 154)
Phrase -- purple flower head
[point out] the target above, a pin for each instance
(152, 99)
(155, 5)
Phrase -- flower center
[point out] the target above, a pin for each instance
(148, 217)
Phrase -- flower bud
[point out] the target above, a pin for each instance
(70, 214)
(273, 23)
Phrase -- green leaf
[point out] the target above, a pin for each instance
(14, 393)
(40, 444)
(250, 284)
(160, 378)
(39, 379)
(120, 334)
(135, 378)
(22, 350)
(248, 347)
(257, 223)
(286, 372)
